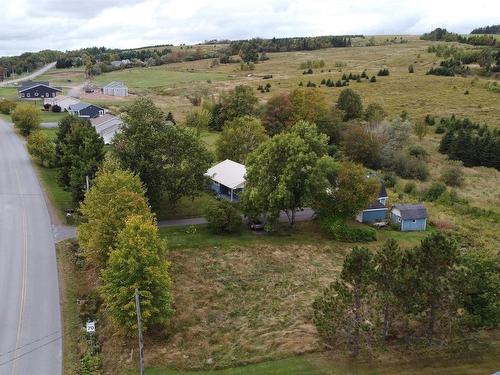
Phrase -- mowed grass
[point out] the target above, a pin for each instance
(142, 78)
(61, 76)
(60, 198)
(8, 92)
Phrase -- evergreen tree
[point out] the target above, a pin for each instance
(350, 102)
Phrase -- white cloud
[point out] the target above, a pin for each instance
(31, 25)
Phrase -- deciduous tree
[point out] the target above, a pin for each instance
(239, 138)
(26, 118)
(42, 148)
(170, 160)
(138, 262)
(350, 103)
(115, 195)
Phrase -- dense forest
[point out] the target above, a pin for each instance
(28, 62)
(493, 29)
(470, 142)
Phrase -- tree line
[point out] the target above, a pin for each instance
(28, 62)
(471, 143)
(259, 45)
(440, 34)
(493, 29)
(436, 291)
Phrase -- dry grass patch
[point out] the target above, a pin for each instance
(240, 305)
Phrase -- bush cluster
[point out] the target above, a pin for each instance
(341, 231)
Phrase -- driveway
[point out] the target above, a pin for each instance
(30, 327)
(35, 74)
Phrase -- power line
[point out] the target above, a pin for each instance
(30, 351)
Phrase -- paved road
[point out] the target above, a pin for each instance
(35, 74)
(30, 329)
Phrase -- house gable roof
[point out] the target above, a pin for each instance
(383, 192)
(82, 105)
(30, 85)
(114, 85)
(228, 173)
(412, 211)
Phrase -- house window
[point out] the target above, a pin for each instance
(22, 95)
(53, 94)
(28, 95)
(399, 220)
(414, 221)
(36, 93)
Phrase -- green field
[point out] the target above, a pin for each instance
(8, 92)
(142, 78)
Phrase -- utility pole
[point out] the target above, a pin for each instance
(87, 183)
(139, 327)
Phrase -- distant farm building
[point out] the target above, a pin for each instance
(86, 110)
(36, 90)
(115, 88)
(409, 217)
(62, 101)
(377, 211)
(107, 126)
(228, 179)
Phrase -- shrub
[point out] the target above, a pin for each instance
(411, 68)
(452, 173)
(434, 191)
(222, 217)
(46, 106)
(26, 118)
(341, 231)
(42, 148)
(350, 102)
(7, 106)
(410, 187)
(373, 79)
(56, 108)
(390, 179)
(430, 120)
(410, 167)
(383, 72)
(418, 152)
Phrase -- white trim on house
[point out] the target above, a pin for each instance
(40, 84)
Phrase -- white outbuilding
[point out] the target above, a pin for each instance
(115, 88)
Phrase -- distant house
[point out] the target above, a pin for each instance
(86, 110)
(121, 63)
(36, 90)
(62, 101)
(377, 211)
(228, 179)
(115, 88)
(107, 126)
(409, 217)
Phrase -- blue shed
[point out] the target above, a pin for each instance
(377, 211)
(86, 110)
(409, 217)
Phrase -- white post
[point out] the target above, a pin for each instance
(231, 195)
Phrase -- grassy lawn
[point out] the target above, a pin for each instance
(60, 198)
(8, 92)
(141, 78)
(185, 208)
(61, 76)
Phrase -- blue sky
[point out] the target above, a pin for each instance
(32, 25)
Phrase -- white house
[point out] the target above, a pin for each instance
(115, 88)
(107, 126)
(62, 101)
(228, 179)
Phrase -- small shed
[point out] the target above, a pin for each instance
(228, 179)
(115, 88)
(409, 217)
